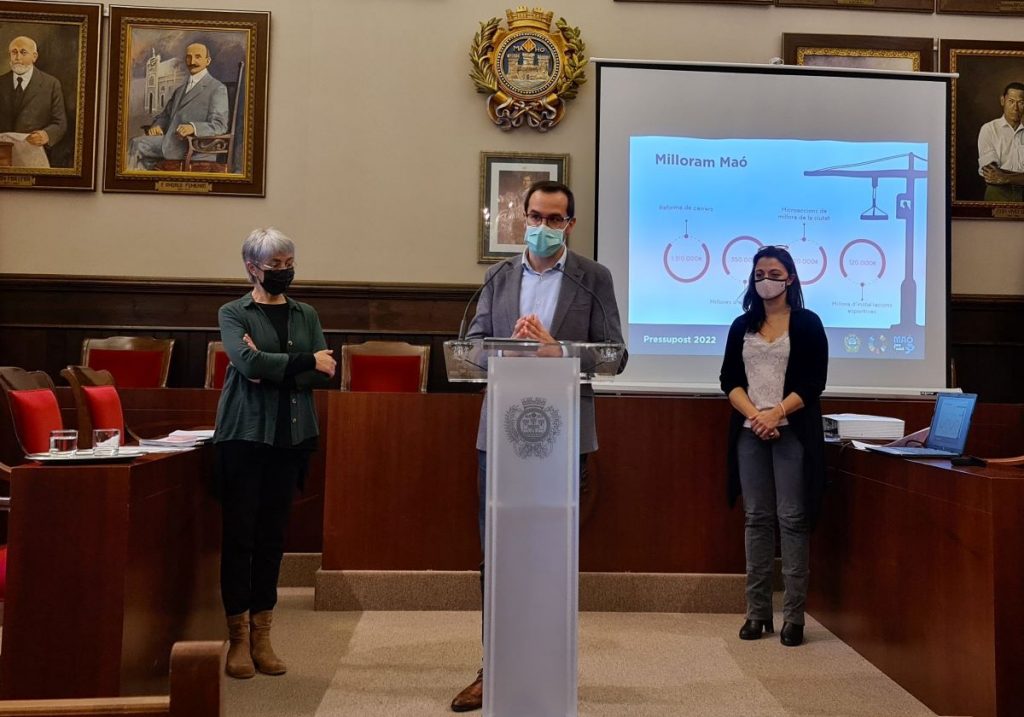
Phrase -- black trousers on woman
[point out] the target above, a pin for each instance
(257, 483)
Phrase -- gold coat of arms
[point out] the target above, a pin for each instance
(528, 71)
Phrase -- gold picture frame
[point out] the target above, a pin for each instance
(863, 52)
(165, 136)
(48, 137)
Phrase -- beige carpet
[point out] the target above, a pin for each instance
(398, 664)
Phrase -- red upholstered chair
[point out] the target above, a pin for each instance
(5, 505)
(134, 361)
(384, 366)
(36, 413)
(217, 362)
(32, 406)
(97, 402)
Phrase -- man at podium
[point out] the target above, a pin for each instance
(547, 294)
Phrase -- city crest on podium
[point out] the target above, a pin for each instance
(528, 71)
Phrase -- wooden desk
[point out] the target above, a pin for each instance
(400, 488)
(154, 412)
(917, 566)
(108, 566)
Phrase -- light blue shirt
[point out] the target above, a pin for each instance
(538, 293)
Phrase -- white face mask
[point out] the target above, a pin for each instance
(770, 288)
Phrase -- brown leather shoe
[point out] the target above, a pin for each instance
(471, 698)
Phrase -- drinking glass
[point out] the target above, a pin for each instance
(63, 442)
(106, 441)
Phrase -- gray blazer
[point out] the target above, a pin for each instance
(205, 107)
(578, 317)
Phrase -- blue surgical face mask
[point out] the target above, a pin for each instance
(544, 241)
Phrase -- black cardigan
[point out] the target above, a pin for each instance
(805, 376)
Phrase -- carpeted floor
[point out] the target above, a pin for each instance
(398, 664)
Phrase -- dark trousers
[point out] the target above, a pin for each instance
(257, 485)
(481, 490)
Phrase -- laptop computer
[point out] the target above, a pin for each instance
(948, 433)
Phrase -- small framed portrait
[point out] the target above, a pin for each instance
(981, 7)
(504, 179)
(860, 52)
(187, 101)
(986, 135)
(48, 95)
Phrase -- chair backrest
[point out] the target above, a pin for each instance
(235, 102)
(216, 365)
(97, 403)
(32, 406)
(135, 361)
(384, 366)
(36, 413)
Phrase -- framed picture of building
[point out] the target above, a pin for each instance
(986, 136)
(187, 101)
(504, 179)
(48, 95)
(859, 52)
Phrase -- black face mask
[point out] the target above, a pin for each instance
(277, 281)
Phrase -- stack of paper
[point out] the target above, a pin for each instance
(847, 426)
(179, 439)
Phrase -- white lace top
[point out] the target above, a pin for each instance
(765, 363)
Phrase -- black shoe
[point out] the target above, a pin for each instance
(752, 629)
(791, 634)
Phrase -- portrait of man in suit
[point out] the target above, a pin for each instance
(197, 107)
(32, 112)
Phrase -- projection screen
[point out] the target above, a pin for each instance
(699, 165)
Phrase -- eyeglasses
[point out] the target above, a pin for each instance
(554, 221)
(277, 267)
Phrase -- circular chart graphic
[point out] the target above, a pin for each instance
(687, 265)
(809, 256)
(863, 262)
(736, 259)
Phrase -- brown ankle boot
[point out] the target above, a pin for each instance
(239, 660)
(262, 653)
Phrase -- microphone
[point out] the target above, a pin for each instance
(606, 353)
(462, 325)
(604, 312)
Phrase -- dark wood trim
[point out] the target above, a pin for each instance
(43, 319)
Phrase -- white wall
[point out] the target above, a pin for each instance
(374, 139)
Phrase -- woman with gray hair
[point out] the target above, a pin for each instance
(266, 430)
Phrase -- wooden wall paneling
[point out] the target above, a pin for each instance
(985, 337)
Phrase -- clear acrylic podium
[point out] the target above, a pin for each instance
(531, 547)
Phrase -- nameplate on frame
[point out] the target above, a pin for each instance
(185, 187)
(16, 180)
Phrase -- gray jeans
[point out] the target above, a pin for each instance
(771, 476)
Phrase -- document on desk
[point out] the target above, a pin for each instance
(178, 439)
(23, 153)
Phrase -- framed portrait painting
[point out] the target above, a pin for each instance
(986, 138)
(860, 52)
(48, 95)
(504, 179)
(187, 101)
